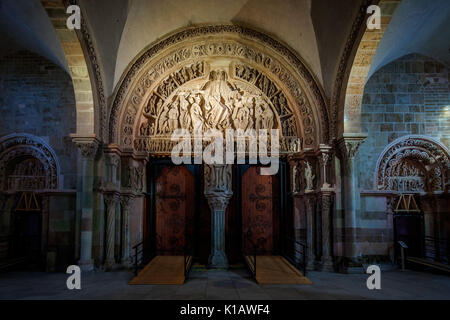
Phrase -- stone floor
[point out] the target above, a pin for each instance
(220, 284)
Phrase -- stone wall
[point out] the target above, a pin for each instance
(408, 96)
(36, 97)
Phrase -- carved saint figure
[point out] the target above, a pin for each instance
(309, 177)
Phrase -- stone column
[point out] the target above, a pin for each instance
(88, 147)
(218, 193)
(310, 229)
(111, 201)
(349, 145)
(125, 201)
(324, 154)
(326, 196)
(327, 249)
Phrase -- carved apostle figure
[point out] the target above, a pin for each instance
(267, 116)
(196, 114)
(163, 120)
(173, 117)
(184, 112)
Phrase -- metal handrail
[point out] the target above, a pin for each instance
(136, 255)
(302, 252)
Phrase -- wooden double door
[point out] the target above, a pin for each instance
(178, 217)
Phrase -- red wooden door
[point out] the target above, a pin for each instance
(259, 210)
(174, 209)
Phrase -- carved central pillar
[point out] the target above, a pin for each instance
(349, 145)
(88, 148)
(218, 193)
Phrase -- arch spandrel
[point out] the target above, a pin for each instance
(154, 78)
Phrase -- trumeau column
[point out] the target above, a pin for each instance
(111, 201)
(218, 193)
(88, 148)
(349, 145)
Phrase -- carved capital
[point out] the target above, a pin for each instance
(125, 201)
(87, 145)
(111, 200)
(349, 144)
(218, 201)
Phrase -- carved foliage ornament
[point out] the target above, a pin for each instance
(27, 162)
(142, 76)
(413, 163)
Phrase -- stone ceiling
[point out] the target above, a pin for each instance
(316, 30)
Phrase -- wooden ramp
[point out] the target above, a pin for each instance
(429, 263)
(277, 270)
(162, 270)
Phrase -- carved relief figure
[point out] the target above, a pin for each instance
(196, 113)
(309, 177)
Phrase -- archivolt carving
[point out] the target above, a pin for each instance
(413, 163)
(27, 162)
(152, 79)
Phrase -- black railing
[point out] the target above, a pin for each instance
(437, 249)
(295, 253)
(140, 259)
(250, 257)
(138, 256)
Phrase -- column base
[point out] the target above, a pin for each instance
(111, 265)
(86, 265)
(327, 264)
(311, 264)
(218, 260)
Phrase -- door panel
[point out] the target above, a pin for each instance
(408, 228)
(174, 209)
(259, 209)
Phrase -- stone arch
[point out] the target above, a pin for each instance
(413, 164)
(361, 67)
(354, 68)
(83, 68)
(20, 148)
(269, 68)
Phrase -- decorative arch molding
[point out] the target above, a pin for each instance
(264, 59)
(18, 147)
(413, 163)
